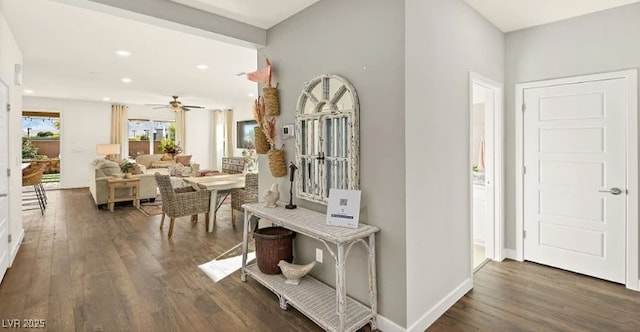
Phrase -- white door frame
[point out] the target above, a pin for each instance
(631, 76)
(494, 177)
(9, 257)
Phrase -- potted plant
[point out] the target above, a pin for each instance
(127, 167)
(170, 147)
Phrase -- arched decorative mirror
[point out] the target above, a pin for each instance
(327, 138)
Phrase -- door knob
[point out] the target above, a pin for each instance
(612, 191)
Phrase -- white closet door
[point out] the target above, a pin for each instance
(574, 154)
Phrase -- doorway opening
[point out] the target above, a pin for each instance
(41, 144)
(485, 169)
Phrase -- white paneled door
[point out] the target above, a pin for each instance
(4, 179)
(575, 177)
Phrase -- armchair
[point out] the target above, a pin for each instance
(180, 202)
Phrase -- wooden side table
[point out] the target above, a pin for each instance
(115, 183)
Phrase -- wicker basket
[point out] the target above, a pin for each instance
(277, 163)
(271, 101)
(272, 245)
(262, 145)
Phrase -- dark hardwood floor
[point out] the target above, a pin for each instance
(83, 269)
(515, 296)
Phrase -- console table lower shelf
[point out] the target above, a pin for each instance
(314, 299)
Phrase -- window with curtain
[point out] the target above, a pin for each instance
(222, 142)
(145, 135)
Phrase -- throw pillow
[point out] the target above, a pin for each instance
(176, 169)
(137, 169)
(111, 169)
(184, 159)
(161, 164)
(166, 157)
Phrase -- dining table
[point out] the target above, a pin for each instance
(220, 186)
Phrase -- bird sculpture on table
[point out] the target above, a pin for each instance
(294, 272)
(271, 196)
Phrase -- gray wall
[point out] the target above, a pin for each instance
(445, 40)
(362, 40)
(594, 43)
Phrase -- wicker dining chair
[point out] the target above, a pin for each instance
(43, 164)
(32, 176)
(248, 194)
(181, 202)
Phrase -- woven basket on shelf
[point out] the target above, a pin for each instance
(277, 163)
(262, 145)
(271, 101)
(272, 245)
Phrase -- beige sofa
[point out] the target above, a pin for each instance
(153, 163)
(101, 169)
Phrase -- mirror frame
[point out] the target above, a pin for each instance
(352, 141)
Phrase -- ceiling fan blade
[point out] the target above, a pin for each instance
(193, 106)
(159, 107)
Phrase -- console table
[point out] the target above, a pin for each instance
(330, 308)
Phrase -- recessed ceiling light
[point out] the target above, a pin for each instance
(202, 67)
(123, 53)
(126, 80)
(106, 98)
(28, 91)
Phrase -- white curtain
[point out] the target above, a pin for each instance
(228, 115)
(181, 129)
(119, 133)
(221, 136)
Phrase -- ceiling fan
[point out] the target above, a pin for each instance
(175, 105)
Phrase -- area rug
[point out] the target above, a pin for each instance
(227, 263)
(152, 208)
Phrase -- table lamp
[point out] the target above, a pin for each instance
(108, 150)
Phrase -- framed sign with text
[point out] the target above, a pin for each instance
(343, 208)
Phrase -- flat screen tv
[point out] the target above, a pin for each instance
(245, 134)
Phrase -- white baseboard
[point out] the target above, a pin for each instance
(633, 286)
(510, 254)
(386, 325)
(16, 247)
(441, 307)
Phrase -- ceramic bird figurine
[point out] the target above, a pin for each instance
(294, 272)
(271, 196)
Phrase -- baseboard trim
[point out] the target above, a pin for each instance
(16, 248)
(387, 325)
(510, 254)
(441, 307)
